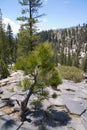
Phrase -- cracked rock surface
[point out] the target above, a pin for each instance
(68, 111)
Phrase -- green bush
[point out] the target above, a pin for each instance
(71, 73)
(54, 95)
(20, 64)
(11, 90)
(55, 79)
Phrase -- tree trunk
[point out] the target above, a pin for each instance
(24, 104)
(25, 101)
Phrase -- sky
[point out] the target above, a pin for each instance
(58, 13)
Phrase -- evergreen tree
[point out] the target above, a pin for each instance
(84, 63)
(10, 44)
(3, 55)
(65, 59)
(49, 35)
(69, 59)
(76, 61)
(61, 57)
(41, 66)
(30, 19)
(3, 46)
(43, 36)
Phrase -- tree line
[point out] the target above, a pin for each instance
(68, 43)
(8, 49)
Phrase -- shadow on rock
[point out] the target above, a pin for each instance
(8, 124)
(60, 116)
(50, 118)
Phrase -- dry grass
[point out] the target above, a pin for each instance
(6, 110)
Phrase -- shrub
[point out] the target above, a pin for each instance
(71, 73)
(55, 79)
(11, 90)
(20, 64)
(54, 95)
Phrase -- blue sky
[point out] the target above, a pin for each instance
(59, 13)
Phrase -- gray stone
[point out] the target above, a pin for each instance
(16, 107)
(84, 115)
(17, 97)
(84, 123)
(57, 128)
(75, 107)
(28, 125)
(46, 104)
(58, 101)
(76, 124)
(80, 93)
(72, 95)
(6, 123)
(14, 81)
(22, 93)
(1, 113)
(2, 104)
(84, 103)
(7, 95)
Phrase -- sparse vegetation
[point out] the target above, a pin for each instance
(71, 73)
(55, 79)
(11, 90)
(54, 95)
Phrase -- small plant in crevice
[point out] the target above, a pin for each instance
(54, 95)
(56, 79)
(11, 90)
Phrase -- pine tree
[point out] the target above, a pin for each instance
(41, 66)
(61, 57)
(30, 19)
(76, 61)
(69, 59)
(3, 45)
(10, 43)
(3, 51)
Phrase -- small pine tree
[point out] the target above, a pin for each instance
(41, 66)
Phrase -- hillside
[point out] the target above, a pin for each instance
(69, 42)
